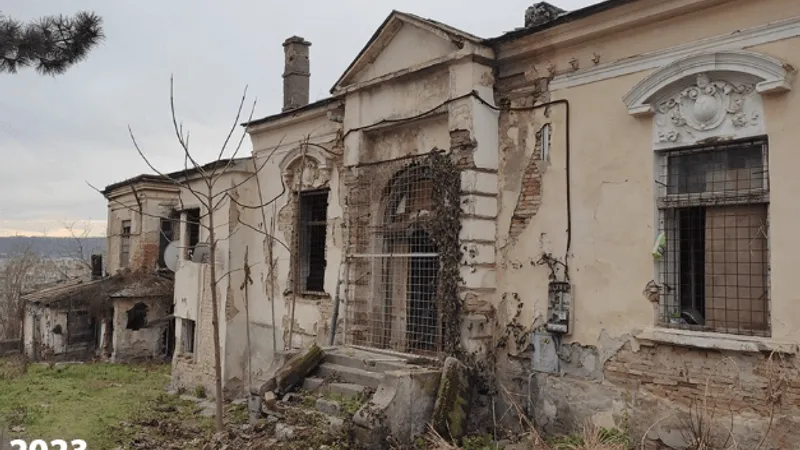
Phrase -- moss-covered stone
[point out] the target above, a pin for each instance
(297, 368)
(453, 400)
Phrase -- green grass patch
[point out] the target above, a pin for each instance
(80, 401)
(604, 436)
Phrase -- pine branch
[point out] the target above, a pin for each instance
(51, 44)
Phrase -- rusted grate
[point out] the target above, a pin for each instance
(393, 259)
(714, 213)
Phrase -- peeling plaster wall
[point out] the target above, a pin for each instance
(48, 319)
(608, 376)
(277, 151)
(455, 127)
(145, 343)
(156, 201)
(192, 297)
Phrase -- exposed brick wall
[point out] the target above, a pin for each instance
(653, 389)
(740, 382)
(530, 198)
(515, 129)
(189, 371)
(144, 256)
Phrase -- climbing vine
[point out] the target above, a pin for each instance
(445, 227)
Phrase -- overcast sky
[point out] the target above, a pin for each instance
(58, 133)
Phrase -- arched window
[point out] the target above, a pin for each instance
(411, 271)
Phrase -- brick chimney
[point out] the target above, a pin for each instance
(296, 73)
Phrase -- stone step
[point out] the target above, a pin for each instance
(349, 375)
(346, 390)
(372, 362)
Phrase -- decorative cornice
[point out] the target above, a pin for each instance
(737, 40)
(770, 75)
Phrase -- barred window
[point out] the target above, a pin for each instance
(713, 207)
(313, 230)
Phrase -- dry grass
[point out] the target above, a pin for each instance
(709, 423)
(590, 438)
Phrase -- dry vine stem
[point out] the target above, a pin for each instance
(536, 439)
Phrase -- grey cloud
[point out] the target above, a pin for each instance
(57, 133)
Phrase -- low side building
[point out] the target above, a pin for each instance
(123, 318)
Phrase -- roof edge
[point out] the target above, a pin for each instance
(301, 109)
(571, 16)
(408, 17)
(164, 179)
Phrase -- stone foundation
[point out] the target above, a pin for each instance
(659, 390)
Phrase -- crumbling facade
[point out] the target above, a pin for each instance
(583, 210)
(159, 223)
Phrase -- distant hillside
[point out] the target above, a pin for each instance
(52, 247)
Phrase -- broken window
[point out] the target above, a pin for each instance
(80, 327)
(192, 230)
(715, 216)
(137, 317)
(313, 228)
(188, 337)
(125, 244)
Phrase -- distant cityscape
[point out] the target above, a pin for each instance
(52, 247)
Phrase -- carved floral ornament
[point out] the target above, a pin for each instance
(709, 95)
(705, 106)
(307, 169)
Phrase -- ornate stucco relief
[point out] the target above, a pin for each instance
(713, 105)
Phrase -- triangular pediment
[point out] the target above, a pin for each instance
(404, 41)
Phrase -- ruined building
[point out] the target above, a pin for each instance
(585, 211)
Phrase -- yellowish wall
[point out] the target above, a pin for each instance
(612, 186)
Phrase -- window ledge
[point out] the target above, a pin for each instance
(715, 341)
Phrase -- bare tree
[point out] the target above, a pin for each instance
(51, 44)
(15, 276)
(77, 247)
(204, 186)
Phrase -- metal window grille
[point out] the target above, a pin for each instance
(312, 235)
(393, 299)
(125, 245)
(715, 271)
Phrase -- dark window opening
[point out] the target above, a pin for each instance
(137, 317)
(188, 338)
(715, 269)
(167, 341)
(192, 229)
(313, 230)
(169, 230)
(125, 244)
(692, 225)
(80, 327)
